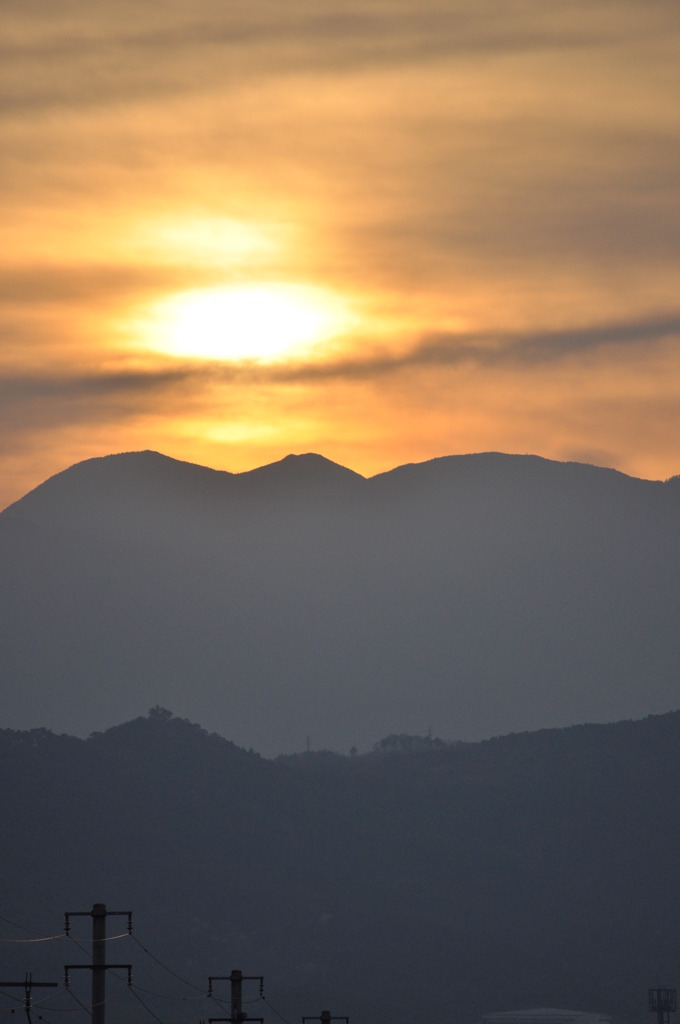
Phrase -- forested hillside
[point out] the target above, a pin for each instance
(436, 883)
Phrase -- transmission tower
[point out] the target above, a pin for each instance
(236, 978)
(99, 966)
(28, 985)
(663, 1002)
(325, 1018)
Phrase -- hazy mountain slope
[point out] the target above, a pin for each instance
(537, 869)
(136, 492)
(479, 594)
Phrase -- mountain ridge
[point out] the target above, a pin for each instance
(487, 593)
(309, 468)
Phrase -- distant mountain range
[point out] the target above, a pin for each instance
(302, 605)
(420, 883)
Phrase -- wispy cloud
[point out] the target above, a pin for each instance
(513, 350)
(548, 346)
(84, 55)
(52, 284)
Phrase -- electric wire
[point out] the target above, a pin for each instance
(134, 989)
(60, 1009)
(41, 937)
(85, 950)
(165, 967)
(244, 1002)
(82, 949)
(23, 928)
(87, 1009)
(164, 995)
(107, 938)
(33, 1004)
(78, 944)
(147, 1008)
(45, 938)
(80, 1004)
(274, 1010)
(36, 1004)
(221, 1005)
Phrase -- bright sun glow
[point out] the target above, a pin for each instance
(260, 323)
(214, 241)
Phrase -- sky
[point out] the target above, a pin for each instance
(382, 231)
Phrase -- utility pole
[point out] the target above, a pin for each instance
(663, 1002)
(325, 1018)
(28, 985)
(236, 978)
(99, 966)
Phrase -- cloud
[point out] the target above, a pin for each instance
(33, 403)
(452, 138)
(51, 284)
(512, 350)
(523, 392)
(100, 54)
(509, 169)
(549, 346)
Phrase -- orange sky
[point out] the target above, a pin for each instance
(380, 231)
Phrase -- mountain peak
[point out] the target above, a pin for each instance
(109, 485)
(305, 471)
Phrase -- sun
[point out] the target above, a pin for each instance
(254, 323)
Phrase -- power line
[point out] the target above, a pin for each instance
(46, 1000)
(82, 1005)
(164, 995)
(14, 924)
(166, 968)
(75, 942)
(274, 1010)
(46, 938)
(221, 1005)
(58, 1009)
(147, 1008)
(39, 936)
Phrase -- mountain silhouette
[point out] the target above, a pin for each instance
(301, 603)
